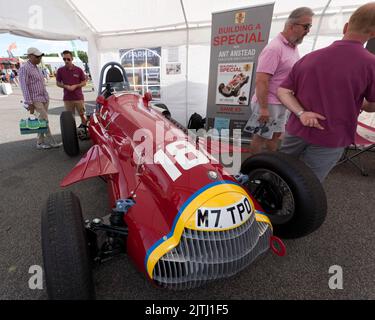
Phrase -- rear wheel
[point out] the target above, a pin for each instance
(288, 191)
(66, 259)
(69, 133)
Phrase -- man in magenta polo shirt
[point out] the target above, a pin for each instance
(269, 116)
(72, 78)
(326, 91)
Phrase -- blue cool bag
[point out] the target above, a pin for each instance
(32, 126)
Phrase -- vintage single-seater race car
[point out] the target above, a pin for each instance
(175, 210)
(232, 89)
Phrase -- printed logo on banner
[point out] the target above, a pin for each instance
(240, 17)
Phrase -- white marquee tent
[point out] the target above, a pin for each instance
(183, 25)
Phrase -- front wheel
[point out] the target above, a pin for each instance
(288, 191)
(65, 250)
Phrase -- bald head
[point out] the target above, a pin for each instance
(363, 20)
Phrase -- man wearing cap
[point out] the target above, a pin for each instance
(35, 94)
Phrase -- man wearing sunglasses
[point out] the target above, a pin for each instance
(35, 94)
(274, 65)
(325, 92)
(72, 79)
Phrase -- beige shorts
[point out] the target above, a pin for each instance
(42, 109)
(279, 116)
(75, 105)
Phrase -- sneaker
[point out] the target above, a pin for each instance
(56, 144)
(41, 146)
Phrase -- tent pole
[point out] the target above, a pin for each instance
(187, 61)
(320, 24)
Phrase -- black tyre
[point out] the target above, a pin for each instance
(69, 133)
(288, 191)
(236, 92)
(224, 91)
(166, 114)
(66, 259)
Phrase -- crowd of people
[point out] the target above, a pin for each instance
(10, 76)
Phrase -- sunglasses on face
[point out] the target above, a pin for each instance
(38, 57)
(67, 59)
(305, 26)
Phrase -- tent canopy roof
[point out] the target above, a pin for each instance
(109, 25)
(80, 19)
(118, 16)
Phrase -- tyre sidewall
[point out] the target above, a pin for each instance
(309, 196)
(66, 259)
(69, 133)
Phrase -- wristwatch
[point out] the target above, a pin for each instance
(299, 113)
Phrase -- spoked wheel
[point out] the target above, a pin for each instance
(273, 194)
(288, 191)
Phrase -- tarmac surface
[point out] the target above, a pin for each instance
(28, 176)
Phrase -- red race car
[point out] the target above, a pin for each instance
(175, 210)
(234, 86)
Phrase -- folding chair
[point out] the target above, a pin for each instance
(361, 145)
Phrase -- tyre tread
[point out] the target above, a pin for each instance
(65, 253)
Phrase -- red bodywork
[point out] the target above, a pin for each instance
(158, 198)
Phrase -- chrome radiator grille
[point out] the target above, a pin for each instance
(204, 256)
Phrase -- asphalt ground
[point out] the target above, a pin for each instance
(28, 176)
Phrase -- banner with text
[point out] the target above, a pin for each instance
(238, 37)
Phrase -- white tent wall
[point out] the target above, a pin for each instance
(94, 56)
(186, 95)
(155, 39)
(72, 19)
(199, 68)
(331, 28)
(183, 94)
(119, 16)
(173, 87)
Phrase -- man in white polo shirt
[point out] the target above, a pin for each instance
(269, 116)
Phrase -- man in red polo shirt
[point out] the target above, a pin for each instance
(72, 78)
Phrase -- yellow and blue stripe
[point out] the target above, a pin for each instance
(184, 219)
